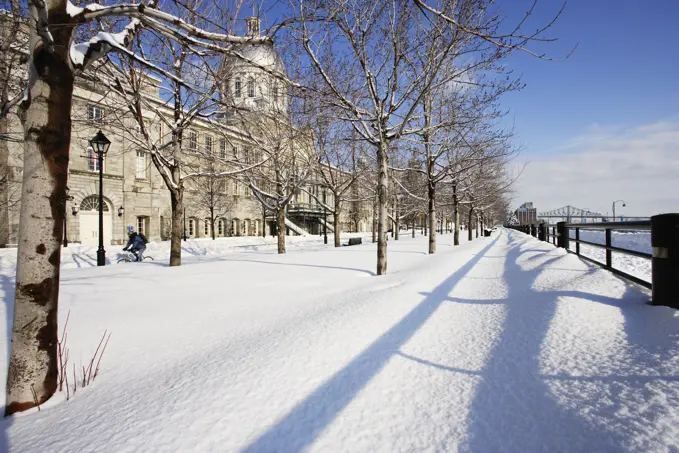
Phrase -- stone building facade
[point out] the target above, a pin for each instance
(134, 192)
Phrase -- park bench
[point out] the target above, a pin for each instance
(355, 241)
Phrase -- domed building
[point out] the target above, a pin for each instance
(250, 81)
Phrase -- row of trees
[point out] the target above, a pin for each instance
(394, 102)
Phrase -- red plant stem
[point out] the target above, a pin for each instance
(84, 376)
(96, 370)
(75, 380)
(89, 368)
(68, 391)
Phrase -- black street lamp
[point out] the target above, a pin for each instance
(68, 198)
(184, 224)
(100, 144)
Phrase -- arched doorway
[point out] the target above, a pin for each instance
(235, 227)
(89, 221)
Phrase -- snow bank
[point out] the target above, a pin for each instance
(503, 344)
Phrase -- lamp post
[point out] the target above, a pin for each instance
(184, 224)
(100, 145)
(68, 198)
(617, 201)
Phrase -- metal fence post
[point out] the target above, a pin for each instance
(665, 261)
(542, 232)
(609, 253)
(563, 239)
(577, 241)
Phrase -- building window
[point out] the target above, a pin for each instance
(92, 160)
(220, 227)
(275, 93)
(207, 227)
(235, 152)
(192, 227)
(193, 141)
(208, 144)
(140, 168)
(251, 88)
(237, 88)
(142, 225)
(91, 203)
(95, 114)
(222, 148)
(247, 154)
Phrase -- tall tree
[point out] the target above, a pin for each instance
(54, 61)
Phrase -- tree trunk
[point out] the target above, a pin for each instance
(432, 217)
(477, 226)
(177, 203)
(263, 222)
(456, 217)
(414, 217)
(336, 222)
(469, 224)
(382, 193)
(280, 220)
(212, 223)
(397, 225)
(46, 118)
(5, 180)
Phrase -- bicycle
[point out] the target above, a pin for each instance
(131, 257)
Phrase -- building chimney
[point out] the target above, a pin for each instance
(253, 24)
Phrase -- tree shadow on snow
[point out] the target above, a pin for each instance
(300, 427)
(513, 408)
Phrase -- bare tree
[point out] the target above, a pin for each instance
(212, 195)
(54, 61)
(286, 154)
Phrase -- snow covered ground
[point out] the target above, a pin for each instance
(504, 344)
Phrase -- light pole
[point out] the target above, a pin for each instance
(100, 144)
(617, 201)
(184, 224)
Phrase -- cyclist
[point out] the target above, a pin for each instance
(136, 245)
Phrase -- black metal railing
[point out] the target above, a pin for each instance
(560, 236)
(664, 245)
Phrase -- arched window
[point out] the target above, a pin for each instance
(91, 203)
(192, 227)
(220, 227)
(251, 87)
(237, 88)
(207, 227)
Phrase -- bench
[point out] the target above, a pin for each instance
(355, 241)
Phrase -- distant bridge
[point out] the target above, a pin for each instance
(569, 213)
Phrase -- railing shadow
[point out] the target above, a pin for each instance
(300, 427)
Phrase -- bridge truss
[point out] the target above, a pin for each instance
(570, 213)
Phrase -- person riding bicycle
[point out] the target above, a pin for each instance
(136, 244)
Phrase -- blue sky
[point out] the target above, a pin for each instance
(618, 89)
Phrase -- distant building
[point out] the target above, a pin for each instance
(526, 214)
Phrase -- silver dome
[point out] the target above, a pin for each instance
(261, 55)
